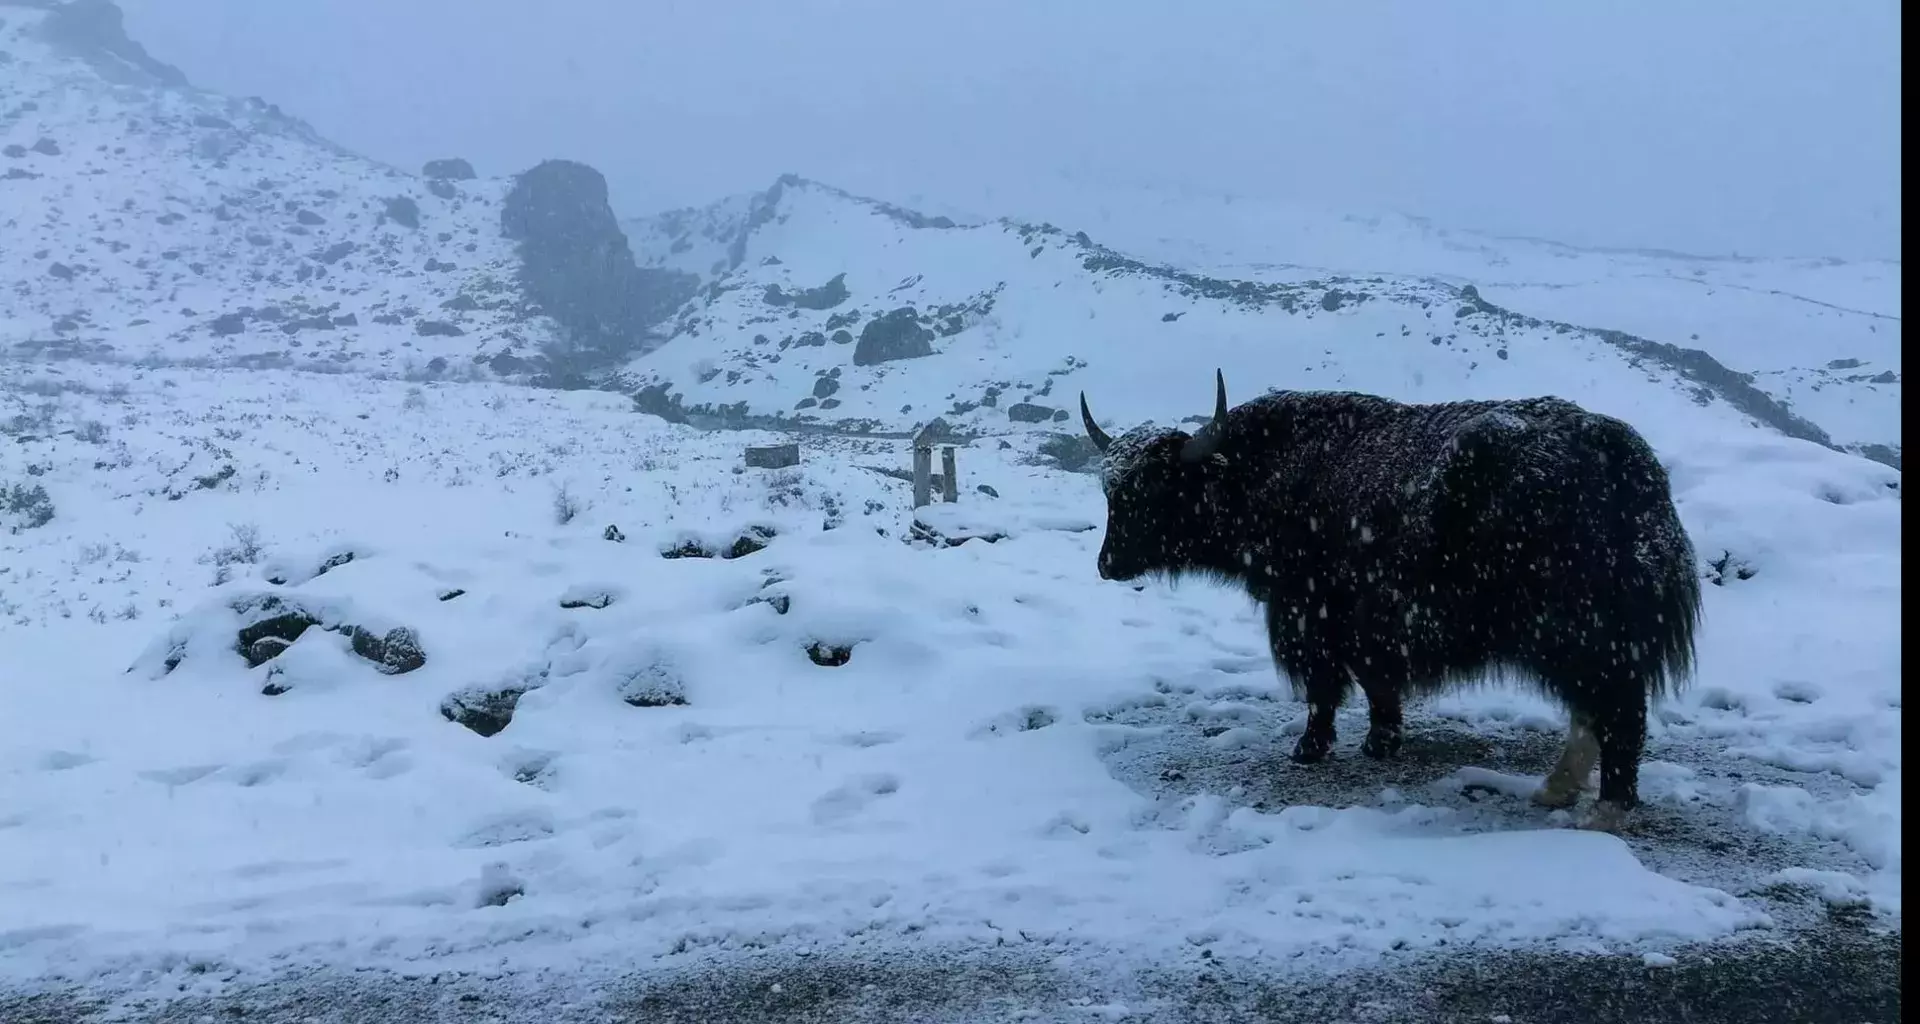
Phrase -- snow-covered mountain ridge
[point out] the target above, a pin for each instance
(1002, 308)
(149, 221)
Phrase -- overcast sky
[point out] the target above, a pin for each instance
(1764, 127)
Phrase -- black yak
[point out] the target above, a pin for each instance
(1405, 548)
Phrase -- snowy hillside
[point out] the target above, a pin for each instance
(142, 219)
(1006, 310)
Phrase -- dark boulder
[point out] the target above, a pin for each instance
(402, 210)
(451, 169)
(896, 335)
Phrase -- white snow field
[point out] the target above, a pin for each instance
(327, 650)
(1012, 752)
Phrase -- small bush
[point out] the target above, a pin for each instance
(24, 508)
(246, 549)
(565, 506)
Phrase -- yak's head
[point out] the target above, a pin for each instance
(1164, 495)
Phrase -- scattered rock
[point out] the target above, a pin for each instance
(988, 491)
(60, 270)
(335, 253)
(309, 218)
(829, 655)
(443, 189)
(395, 653)
(827, 296)
(895, 335)
(264, 640)
(402, 210)
(586, 597)
(449, 169)
(46, 147)
(654, 683)
(484, 710)
(436, 329)
(448, 595)
(750, 540)
(210, 121)
(824, 387)
(1028, 412)
(613, 534)
(755, 538)
(1726, 565)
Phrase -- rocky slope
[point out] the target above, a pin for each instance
(823, 307)
(148, 220)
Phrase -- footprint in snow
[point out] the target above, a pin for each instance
(181, 776)
(853, 796)
(866, 738)
(255, 773)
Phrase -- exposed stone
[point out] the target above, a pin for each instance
(1028, 412)
(895, 335)
(402, 210)
(826, 296)
(450, 169)
(829, 655)
(485, 711)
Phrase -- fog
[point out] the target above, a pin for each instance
(1758, 127)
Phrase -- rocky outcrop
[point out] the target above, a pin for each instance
(896, 335)
(451, 169)
(575, 263)
(96, 31)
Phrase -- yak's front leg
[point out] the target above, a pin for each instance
(1386, 724)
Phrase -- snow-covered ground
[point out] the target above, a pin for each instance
(1012, 751)
(398, 666)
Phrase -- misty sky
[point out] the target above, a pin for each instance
(1764, 127)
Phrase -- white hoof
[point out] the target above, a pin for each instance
(1603, 817)
(1556, 797)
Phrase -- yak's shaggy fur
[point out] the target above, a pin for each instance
(1406, 548)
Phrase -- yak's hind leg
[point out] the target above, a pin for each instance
(1563, 785)
(1610, 720)
(1386, 724)
(1622, 735)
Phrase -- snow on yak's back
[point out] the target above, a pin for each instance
(1408, 547)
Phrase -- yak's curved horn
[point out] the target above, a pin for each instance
(1100, 438)
(1206, 440)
